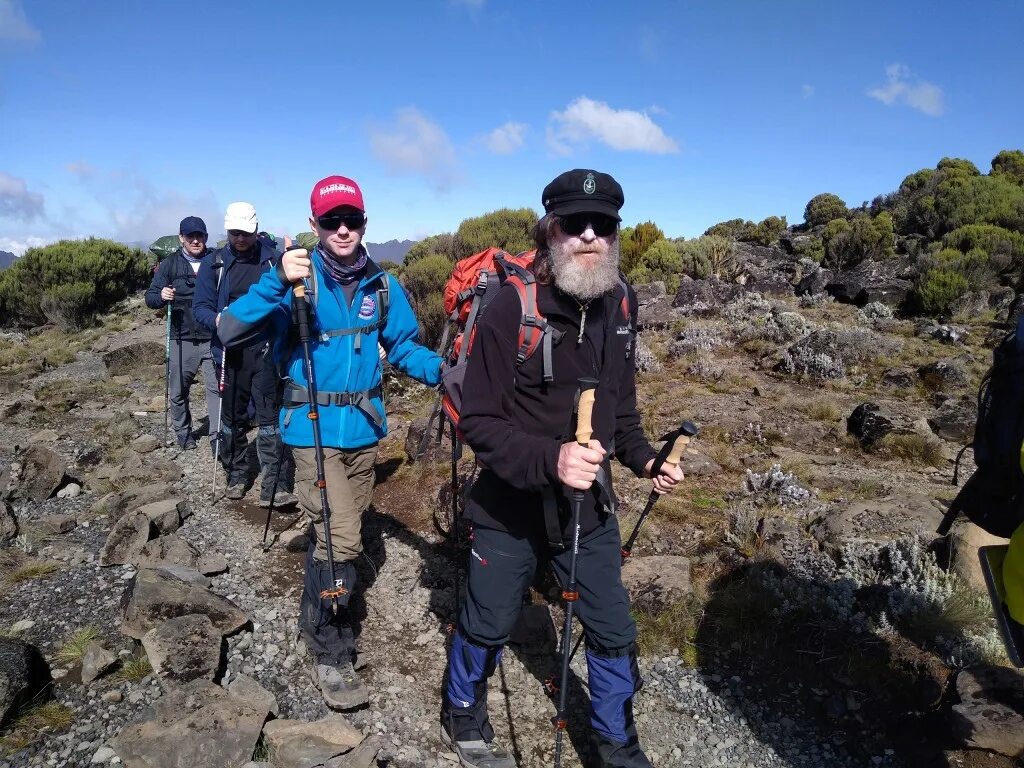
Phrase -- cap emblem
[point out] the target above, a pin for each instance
(590, 185)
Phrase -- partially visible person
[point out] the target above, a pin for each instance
(225, 275)
(173, 287)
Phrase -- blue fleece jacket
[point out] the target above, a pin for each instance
(211, 298)
(342, 363)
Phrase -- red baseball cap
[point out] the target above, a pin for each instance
(333, 192)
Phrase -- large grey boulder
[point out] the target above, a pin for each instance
(877, 522)
(656, 582)
(24, 675)
(197, 725)
(990, 714)
(117, 503)
(363, 756)
(184, 648)
(132, 357)
(887, 282)
(943, 375)
(166, 515)
(167, 550)
(154, 596)
(36, 474)
(868, 424)
(247, 689)
(298, 744)
(126, 539)
(955, 419)
(699, 297)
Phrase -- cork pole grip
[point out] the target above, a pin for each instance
(583, 417)
(677, 450)
(298, 287)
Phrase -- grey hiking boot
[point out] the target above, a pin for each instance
(236, 491)
(281, 499)
(478, 753)
(340, 686)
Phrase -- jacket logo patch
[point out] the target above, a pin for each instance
(622, 330)
(368, 307)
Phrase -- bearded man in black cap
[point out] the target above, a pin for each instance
(517, 418)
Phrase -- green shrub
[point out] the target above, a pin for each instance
(635, 242)
(662, 261)
(448, 245)
(823, 208)
(424, 282)
(847, 243)
(708, 256)
(957, 166)
(766, 232)
(733, 229)
(939, 288)
(1004, 247)
(508, 229)
(114, 272)
(71, 306)
(1009, 163)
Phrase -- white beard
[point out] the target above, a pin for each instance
(582, 281)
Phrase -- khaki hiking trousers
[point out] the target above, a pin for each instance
(350, 477)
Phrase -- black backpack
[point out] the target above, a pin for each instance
(993, 497)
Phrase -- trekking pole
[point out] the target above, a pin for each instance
(584, 410)
(670, 453)
(456, 527)
(167, 367)
(220, 412)
(303, 320)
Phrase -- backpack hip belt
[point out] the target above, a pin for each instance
(294, 395)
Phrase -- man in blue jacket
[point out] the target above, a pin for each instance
(174, 283)
(224, 275)
(355, 306)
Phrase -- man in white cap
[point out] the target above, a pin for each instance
(224, 275)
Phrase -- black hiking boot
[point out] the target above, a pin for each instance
(235, 491)
(612, 754)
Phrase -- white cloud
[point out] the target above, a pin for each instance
(14, 25)
(506, 139)
(82, 169)
(144, 212)
(807, 90)
(18, 246)
(415, 145)
(16, 202)
(904, 87)
(623, 129)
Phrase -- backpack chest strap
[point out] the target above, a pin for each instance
(294, 395)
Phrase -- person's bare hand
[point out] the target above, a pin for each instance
(296, 264)
(578, 465)
(167, 293)
(667, 479)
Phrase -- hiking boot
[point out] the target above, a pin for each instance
(187, 443)
(478, 753)
(235, 491)
(611, 754)
(340, 686)
(281, 499)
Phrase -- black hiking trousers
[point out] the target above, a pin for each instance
(251, 374)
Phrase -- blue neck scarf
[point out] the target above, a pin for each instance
(343, 273)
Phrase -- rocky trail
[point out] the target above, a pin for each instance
(171, 635)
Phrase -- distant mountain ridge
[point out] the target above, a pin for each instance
(392, 250)
(7, 258)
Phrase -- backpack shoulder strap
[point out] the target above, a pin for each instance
(534, 329)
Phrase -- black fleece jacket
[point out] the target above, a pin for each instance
(516, 423)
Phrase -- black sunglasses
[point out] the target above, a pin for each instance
(241, 233)
(333, 221)
(576, 223)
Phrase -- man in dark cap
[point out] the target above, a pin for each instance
(174, 284)
(519, 426)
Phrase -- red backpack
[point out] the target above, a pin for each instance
(474, 282)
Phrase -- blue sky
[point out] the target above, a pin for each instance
(119, 118)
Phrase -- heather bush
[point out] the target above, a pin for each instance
(71, 306)
(508, 229)
(114, 272)
(824, 208)
(424, 282)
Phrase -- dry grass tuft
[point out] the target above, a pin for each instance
(73, 649)
(34, 723)
(914, 448)
(133, 669)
